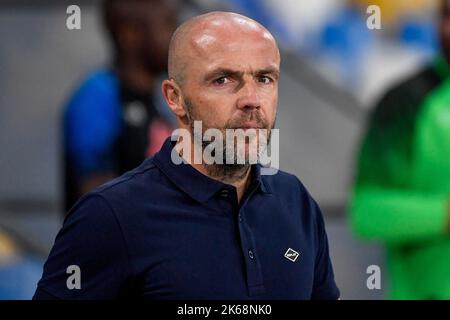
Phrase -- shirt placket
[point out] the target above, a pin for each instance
(255, 284)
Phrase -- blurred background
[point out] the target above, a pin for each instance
(333, 71)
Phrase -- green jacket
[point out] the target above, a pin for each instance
(402, 191)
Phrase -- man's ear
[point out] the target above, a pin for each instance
(172, 93)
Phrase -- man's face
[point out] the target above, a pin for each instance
(231, 81)
(444, 28)
(157, 28)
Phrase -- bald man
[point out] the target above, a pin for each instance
(176, 228)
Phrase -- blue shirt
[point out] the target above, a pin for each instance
(93, 121)
(166, 231)
(109, 128)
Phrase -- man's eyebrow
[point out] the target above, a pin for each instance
(270, 70)
(230, 72)
(222, 72)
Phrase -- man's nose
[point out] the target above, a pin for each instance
(249, 98)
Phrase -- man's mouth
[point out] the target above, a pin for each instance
(249, 125)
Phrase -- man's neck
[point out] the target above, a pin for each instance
(239, 177)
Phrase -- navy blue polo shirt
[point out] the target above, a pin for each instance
(166, 231)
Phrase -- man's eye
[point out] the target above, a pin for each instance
(221, 80)
(265, 79)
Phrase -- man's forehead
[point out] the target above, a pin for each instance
(226, 20)
(214, 44)
(245, 64)
(236, 57)
(227, 31)
(220, 37)
(224, 27)
(209, 41)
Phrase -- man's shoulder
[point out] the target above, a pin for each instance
(95, 100)
(290, 190)
(284, 182)
(422, 80)
(103, 79)
(98, 85)
(406, 95)
(128, 187)
(141, 176)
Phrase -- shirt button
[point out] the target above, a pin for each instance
(224, 193)
(240, 218)
(250, 254)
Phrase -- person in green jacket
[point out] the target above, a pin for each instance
(402, 190)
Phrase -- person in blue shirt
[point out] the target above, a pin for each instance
(113, 121)
(172, 229)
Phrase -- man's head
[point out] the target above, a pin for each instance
(444, 28)
(141, 30)
(223, 70)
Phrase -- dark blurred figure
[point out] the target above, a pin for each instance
(402, 193)
(112, 121)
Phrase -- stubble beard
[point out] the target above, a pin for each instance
(227, 172)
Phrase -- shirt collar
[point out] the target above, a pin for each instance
(194, 183)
